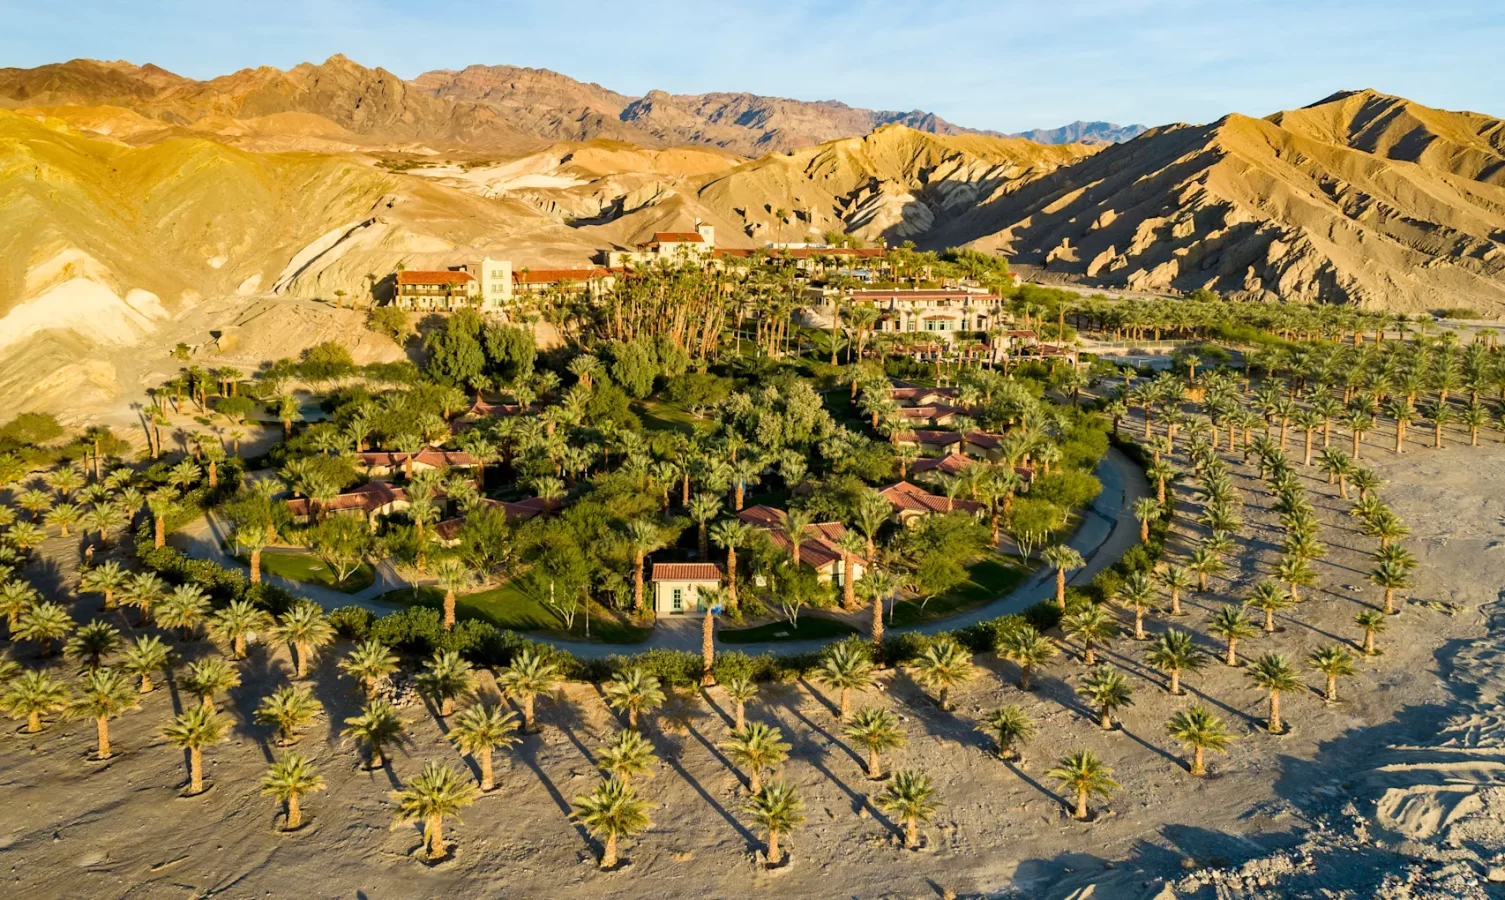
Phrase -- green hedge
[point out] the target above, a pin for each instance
(221, 584)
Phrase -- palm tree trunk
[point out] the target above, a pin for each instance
(1105, 718)
(1024, 674)
(848, 584)
(873, 769)
(1081, 803)
(911, 833)
(256, 567)
(294, 813)
(1176, 682)
(707, 648)
(609, 851)
(433, 836)
(449, 610)
(195, 771)
(774, 856)
(1197, 765)
(488, 780)
(161, 533)
(528, 723)
(637, 581)
(1275, 725)
(1232, 657)
(238, 649)
(302, 652)
(1332, 688)
(1389, 601)
(878, 625)
(1061, 588)
(846, 703)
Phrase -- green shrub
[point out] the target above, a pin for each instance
(351, 622)
(675, 668)
(1044, 615)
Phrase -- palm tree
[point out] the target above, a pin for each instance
(44, 623)
(757, 748)
(253, 539)
(288, 779)
(778, 810)
(729, 534)
(194, 730)
(107, 578)
(92, 643)
(439, 792)
(1373, 622)
(290, 708)
(1232, 624)
(1108, 690)
(1176, 652)
(911, 798)
(144, 591)
(1273, 673)
(703, 508)
(877, 585)
(1332, 661)
(1146, 510)
(1091, 627)
(104, 694)
(612, 812)
(1268, 598)
(378, 725)
(943, 665)
(32, 695)
(208, 677)
(877, 731)
(453, 576)
(306, 627)
(1009, 726)
(636, 692)
(446, 678)
(236, 622)
(1084, 774)
(1063, 558)
(741, 690)
(184, 609)
(628, 756)
(478, 731)
(1137, 594)
(369, 662)
(16, 597)
(642, 537)
(844, 668)
(147, 655)
(1028, 649)
(1392, 577)
(1200, 730)
(1176, 580)
(1296, 573)
(528, 676)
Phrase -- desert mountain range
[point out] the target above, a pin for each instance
(140, 205)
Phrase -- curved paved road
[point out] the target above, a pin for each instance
(1107, 530)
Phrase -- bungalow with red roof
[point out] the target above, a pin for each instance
(911, 502)
(595, 281)
(679, 588)
(669, 246)
(375, 498)
(819, 548)
(447, 532)
(939, 415)
(377, 463)
(930, 442)
(950, 464)
(908, 395)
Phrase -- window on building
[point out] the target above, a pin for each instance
(677, 603)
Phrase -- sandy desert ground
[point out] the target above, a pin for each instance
(1387, 793)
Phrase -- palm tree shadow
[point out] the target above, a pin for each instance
(726, 717)
(672, 761)
(571, 723)
(529, 757)
(819, 697)
(794, 710)
(1124, 730)
(1044, 791)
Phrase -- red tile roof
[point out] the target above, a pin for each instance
(429, 456)
(429, 277)
(950, 464)
(939, 411)
(920, 393)
(482, 409)
(818, 548)
(366, 498)
(906, 497)
(906, 294)
(675, 237)
(686, 572)
(984, 440)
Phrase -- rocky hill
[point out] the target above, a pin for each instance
(339, 104)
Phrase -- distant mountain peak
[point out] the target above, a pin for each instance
(1080, 132)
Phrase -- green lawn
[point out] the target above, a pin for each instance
(810, 627)
(509, 607)
(661, 415)
(991, 578)
(306, 568)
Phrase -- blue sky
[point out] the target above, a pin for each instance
(1003, 65)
